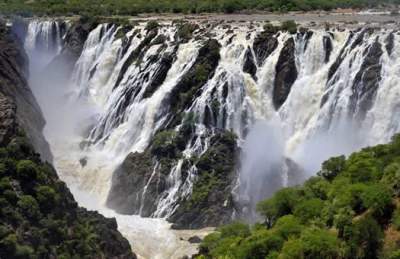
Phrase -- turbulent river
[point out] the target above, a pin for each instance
(301, 97)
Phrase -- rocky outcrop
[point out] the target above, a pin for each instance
(211, 202)
(249, 66)
(136, 54)
(134, 190)
(286, 74)
(264, 44)
(187, 88)
(389, 43)
(335, 66)
(328, 47)
(14, 92)
(160, 74)
(366, 81)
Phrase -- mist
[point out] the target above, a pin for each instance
(341, 139)
(261, 168)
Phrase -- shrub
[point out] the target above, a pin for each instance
(288, 226)
(152, 25)
(165, 144)
(27, 170)
(29, 206)
(391, 177)
(366, 238)
(376, 197)
(237, 229)
(309, 209)
(332, 167)
(46, 196)
(396, 219)
(281, 204)
(320, 244)
(289, 26)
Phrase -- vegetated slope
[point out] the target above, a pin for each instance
(131, 7)
(39, 217)
(350, 210)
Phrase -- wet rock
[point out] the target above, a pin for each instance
(18, 104)
(194, 240)
(127, 194)
(340, 58)
(249, 66)
(135, 55)
(389, 41)
(306, 35)
(264, 44)
(188, 87)
(211, 202)
(286, 73)
(185, 31)
(83, 161)
(328, 47)
(366, 81)
(160, 74)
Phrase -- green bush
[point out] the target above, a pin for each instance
(152, 25)
(27, 170)
(289, 26)
(366, 238)
(308, 210)
(47, 197)
(332, 167)
(29, 207)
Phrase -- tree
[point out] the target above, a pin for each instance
(366, 238)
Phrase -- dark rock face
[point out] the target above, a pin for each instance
(194, 240)
(14, 92)
(339, 59)
(128, 192)
(367, 81)
(211, 202)
(249, 66)
(286, 74)
(203, 69)
(160, 74)
(264, 45)
(389, 43)
(135, 55)
(328, 47)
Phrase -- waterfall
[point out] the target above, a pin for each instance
(295, 102)
(43, 41)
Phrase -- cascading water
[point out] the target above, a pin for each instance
(43, 42)
(299, 99)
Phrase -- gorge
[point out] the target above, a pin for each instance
(193, 123)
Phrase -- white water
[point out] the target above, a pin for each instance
(301, 129)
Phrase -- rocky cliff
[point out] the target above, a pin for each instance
(39, 217)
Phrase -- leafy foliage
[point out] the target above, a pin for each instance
(350, 210)
(39, 217)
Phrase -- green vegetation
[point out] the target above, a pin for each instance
(39, 217)
(132, 7)
(350, 210)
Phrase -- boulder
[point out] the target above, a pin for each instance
(286, 73)
(264, 44)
